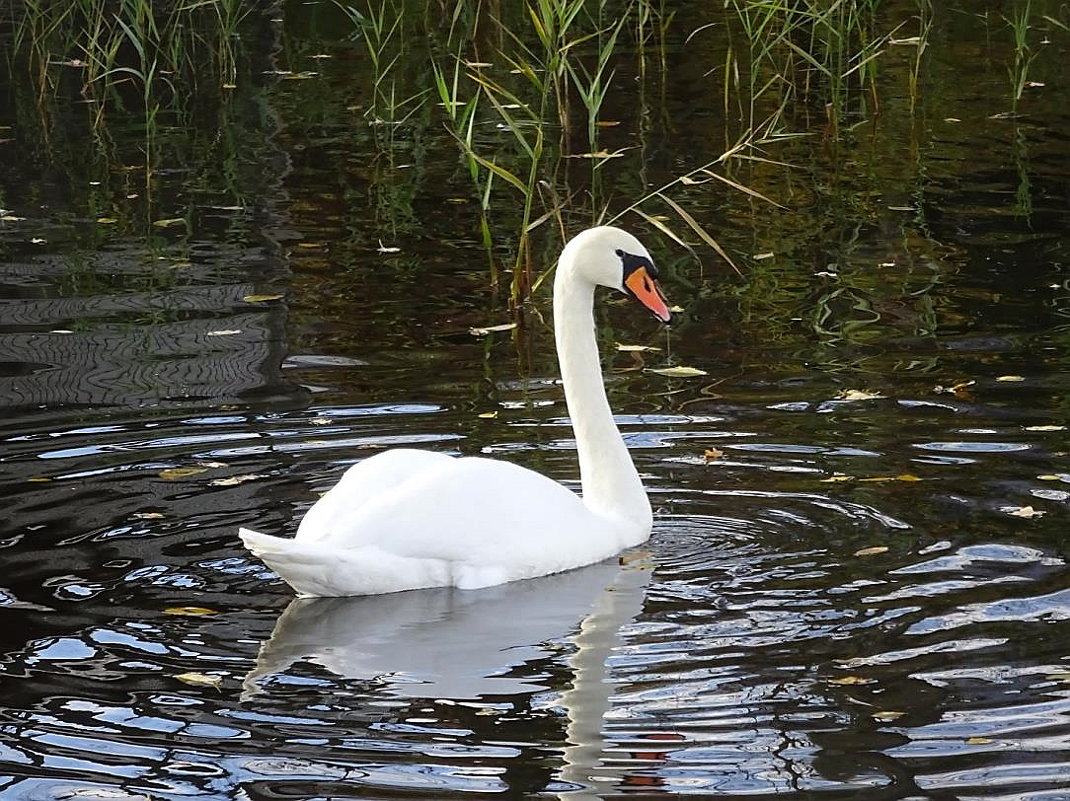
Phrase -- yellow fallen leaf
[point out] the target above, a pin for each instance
(762, 256)
(38, 241)
(200, 679)
(489, 415)
(1023, 511)
(1011, 378)
(712, 454)
(904, 477)
(857, 395)
(978, 740)
(1045, 428)
(233, 481)
(887, 717)
(173, 473)
(261, 298)
(169, 223)
(107, 220)
(955, 389)
(601, 154)
(679, 371)
(837, 479)
(490, 329)
(321, 421)
(873, 551)
(851, 680)
(39, 479)
(189, 611)
(637, 348)
(148, 515)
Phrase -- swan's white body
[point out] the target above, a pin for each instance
(409, 519)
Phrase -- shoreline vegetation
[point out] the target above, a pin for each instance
(541, 101)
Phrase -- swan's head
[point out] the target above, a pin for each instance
(607, 256)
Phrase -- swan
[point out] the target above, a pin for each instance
(408, 519)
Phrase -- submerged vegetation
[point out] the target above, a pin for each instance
(556, 108)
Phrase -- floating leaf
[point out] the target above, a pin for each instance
(489, 415)
(261, 298)
(39, 479)
(852, 680)
(200, 679)
(148, 515)
(1022, 511)
(887, 717)
(224, 332)
(601, 154)
(190, 611)
(233, 481)
(979, 740)
(762, 256)
(637, 348)
(490, 329)
(174, 473)
(170, 222)
(679, 371)
(872, 551)
(904, 477)
(712, 454)
(1064, 477)
(954, 389)
(1045, 428)
(1011, 379)
(38, 241)
(858, 395)
(839, 477)
(107, 220)
(321, 421)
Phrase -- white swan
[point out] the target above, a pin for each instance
(408, 519)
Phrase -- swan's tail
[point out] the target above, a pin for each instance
(304, 566)
(317, 570)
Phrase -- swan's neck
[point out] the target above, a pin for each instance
(611, 485)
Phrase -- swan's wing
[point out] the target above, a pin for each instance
(479, 511)
(363, 482)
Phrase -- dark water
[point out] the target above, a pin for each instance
(845, 596)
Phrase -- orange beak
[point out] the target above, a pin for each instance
(646, 290)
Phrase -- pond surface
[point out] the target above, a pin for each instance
(857, 585)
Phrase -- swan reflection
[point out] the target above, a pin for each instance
(458, 644)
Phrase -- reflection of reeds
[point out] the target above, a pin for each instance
(126, 53)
